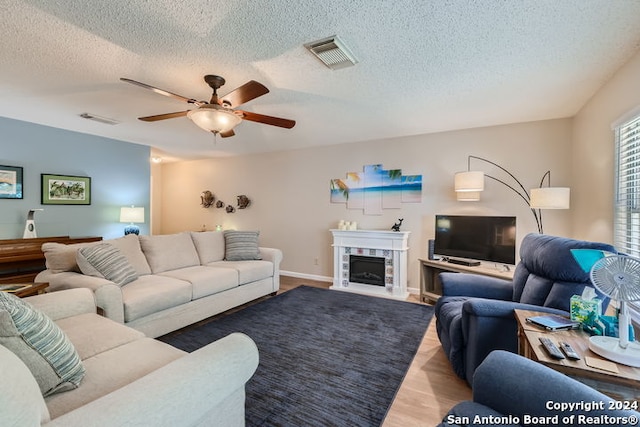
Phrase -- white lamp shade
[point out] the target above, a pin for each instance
(214, 118)
(468, 196)
(132, 215)
(550, 198)
(469, 181)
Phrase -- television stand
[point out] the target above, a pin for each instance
(430, 286)
(462, 261)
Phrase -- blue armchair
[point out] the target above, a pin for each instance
(510, 389)
(475, 314)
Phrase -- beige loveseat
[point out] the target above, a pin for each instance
(180, 278)
(129, 379)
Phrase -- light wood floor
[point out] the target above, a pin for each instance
(430, 387)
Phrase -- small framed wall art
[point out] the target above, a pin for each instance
(66, 190)
(10, 182)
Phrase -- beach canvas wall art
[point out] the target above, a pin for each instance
(376, 188)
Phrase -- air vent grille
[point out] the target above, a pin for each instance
(100, 119)
(332, 52)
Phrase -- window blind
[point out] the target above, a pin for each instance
(626, 221)
(627, 195)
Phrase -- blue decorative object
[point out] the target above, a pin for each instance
(587, 257)
(131, 229)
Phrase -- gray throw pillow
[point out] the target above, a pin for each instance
(106, 261)
(241, 245)
(40, 344)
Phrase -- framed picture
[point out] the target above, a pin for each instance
(66, 190)
(10, 182)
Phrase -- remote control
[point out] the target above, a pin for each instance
(569, 351)
(551, 348)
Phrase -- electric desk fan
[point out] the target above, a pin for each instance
(618, 277)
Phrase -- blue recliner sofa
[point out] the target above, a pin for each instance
(528, 393)
(475, 314)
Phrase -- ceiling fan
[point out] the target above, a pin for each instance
(218, 115)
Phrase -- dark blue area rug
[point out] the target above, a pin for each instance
(327, 358)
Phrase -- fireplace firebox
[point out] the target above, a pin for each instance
(366, 269)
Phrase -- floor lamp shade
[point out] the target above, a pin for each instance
(550, 198)
(469, 181)
(468, 196)
(132, 215)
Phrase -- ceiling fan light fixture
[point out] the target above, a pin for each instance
(214, 118)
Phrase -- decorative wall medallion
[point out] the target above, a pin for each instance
(243, 201)
(206, 199)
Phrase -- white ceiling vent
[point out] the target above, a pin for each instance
(332, 52)
(100, 119)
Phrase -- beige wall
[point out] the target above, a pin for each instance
(593, 153)
(156, 198)
(290, 190)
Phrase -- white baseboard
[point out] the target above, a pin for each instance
(414, 291)
(306, 276)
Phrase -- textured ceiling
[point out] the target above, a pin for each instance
(424, 66)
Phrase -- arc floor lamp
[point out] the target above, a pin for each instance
(469, 184)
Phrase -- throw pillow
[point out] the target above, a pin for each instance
(166, 252)
(210, 245)
(106, 261)
(129, 245)
(40, 344)
(241, 245)
(61, 257)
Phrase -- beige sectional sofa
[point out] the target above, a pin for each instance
(180, 278)
(129, 379)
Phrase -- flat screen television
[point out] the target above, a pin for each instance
(484, 238)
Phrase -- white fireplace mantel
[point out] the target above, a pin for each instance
(391, 245)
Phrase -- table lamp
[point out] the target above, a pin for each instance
(132, 215)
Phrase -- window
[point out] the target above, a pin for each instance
(626, 221)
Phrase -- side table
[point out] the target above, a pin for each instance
(621, 385)
(32, 289)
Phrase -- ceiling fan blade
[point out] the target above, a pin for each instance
(227, 134)
(163, 92)
(267, 120)
(245, 93)
(163, 116)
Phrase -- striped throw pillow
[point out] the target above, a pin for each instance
(106, 261)
(40, 344)
(241, 245)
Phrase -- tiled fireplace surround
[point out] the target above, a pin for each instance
(390, 245)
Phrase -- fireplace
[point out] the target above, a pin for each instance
(371, 262)
(366, 269)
